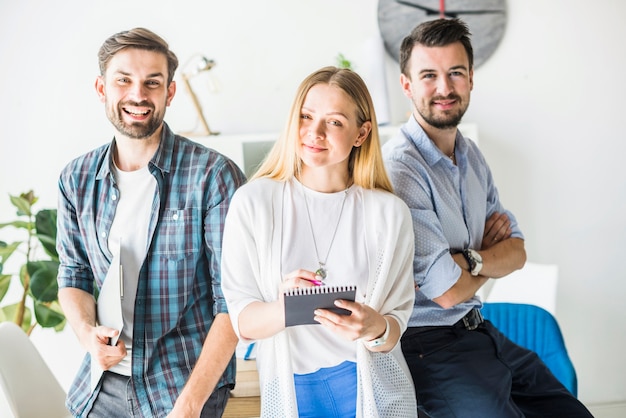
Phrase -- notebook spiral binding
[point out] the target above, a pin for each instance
(301, 291)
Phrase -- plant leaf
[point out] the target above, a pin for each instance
(30, 197)
(7, 250)
(46, 316)
(46, 222)
(55, 306)
(61, 325)
(22, 204)
(11, 310)
(5, 282)
(43, 280)
(18, 224)
(24, 275)
(49, 246)
(46, 227)
(39, 277)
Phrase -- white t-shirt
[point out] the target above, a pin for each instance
(130, 229)
(347, 263)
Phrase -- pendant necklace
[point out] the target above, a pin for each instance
(321, 271)
(452, 157)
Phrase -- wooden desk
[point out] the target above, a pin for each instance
(245, 401)
(248, 407)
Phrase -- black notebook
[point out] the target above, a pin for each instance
(301, 302)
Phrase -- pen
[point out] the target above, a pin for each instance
(248, 352)
(315, 282)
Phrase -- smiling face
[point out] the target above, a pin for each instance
(440, 84)
(329, 131)
(135, 92)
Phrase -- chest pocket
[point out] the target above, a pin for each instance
(180, 233)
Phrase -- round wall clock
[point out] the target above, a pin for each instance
(486, 20)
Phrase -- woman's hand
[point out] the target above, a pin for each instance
(299, 278)
(363, 323)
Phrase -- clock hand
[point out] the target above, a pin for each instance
(448, 13)
(428, 10)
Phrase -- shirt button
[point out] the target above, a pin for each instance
(175, 216)
(114, 197)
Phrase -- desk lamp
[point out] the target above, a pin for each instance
(201, 64)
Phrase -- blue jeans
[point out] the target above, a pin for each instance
(481, 373)
(115, 399)
(327, 393)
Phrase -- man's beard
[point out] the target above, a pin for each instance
(136, 130)
(446, 120)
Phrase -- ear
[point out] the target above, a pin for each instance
(171, 91)
(405, 82)
(471, 79)
(99, 84)
(364, 132)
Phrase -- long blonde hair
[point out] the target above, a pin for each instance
(365, 165)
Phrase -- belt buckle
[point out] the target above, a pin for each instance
(472, 320)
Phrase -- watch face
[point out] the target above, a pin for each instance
(486, 20)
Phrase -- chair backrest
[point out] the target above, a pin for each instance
(30, 388)
(536, 329)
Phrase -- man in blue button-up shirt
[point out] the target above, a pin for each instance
(461, 365)
(156, 202)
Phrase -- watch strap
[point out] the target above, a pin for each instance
(470, 260)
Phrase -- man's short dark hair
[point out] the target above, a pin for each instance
(139, 38)
(438, 32)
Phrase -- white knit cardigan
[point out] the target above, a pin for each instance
(251, 272)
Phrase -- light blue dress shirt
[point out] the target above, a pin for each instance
(449, 205)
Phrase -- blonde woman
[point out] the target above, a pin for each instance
(320, 212)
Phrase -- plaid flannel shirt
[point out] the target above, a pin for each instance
(179, 290)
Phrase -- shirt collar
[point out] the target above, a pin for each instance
(432, 155)
(162, 158)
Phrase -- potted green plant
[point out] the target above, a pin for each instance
(36, 273)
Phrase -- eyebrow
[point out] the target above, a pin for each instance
(304, 108)
(456, 67)
(152, 75)
(459, 67)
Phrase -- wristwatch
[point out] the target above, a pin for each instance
(474, 260)
(380, 340)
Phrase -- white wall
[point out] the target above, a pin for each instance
(548, 105)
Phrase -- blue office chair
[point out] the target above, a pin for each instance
(536, 329)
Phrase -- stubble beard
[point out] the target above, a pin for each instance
(446, 120)
(136, 130)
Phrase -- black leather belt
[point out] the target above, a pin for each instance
(470, 321)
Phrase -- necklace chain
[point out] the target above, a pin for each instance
(322, 270)
(451, 156)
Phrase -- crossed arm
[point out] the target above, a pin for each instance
(501, 255)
